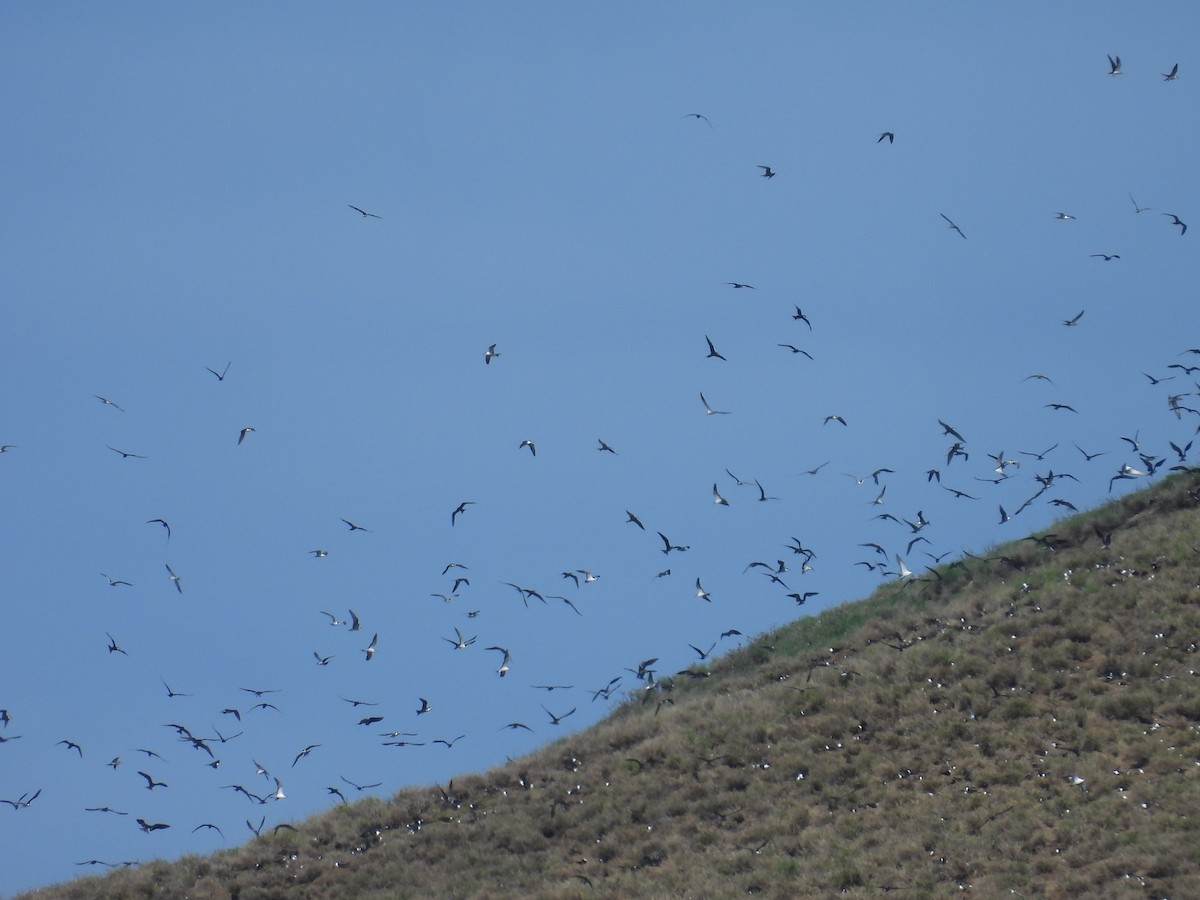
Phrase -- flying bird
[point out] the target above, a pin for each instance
(365, 214)
(124, 453)
(1173, 75)
(712, 351)
(717, 498)
(738, 284)
(354, 527)
(114, 582)
(175, 578)
(1106, 256)
(242, 434)
(799, 316)
(461, 508)
(891, 138)
(1074, 320)
(829, 419)
(303, 753)
(148, 826)
(697, 116)
(489, 354)
(530, 444)
(709, 410)
(1114, 65)
(766, 172)
(555, 720)
(1138, 209)
(605, 447)
(107, 402)
(634, 519)
(504, 663)
(701, 592)
(151, 784)
(221, 375)
(953, 226)
(795, 349)
(369, 650)
(163, 523)
(113, 646)
(1062, 216)
(1176, 221)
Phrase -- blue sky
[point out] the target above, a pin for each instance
(177, 199)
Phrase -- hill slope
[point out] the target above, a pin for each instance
(1020, 722)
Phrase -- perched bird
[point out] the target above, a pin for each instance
(891, 138)
(1176, 221)
(766, 172)
(489, 354)
(1173, 75)
(242, 434)
(363, 212)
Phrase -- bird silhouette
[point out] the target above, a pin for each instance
(767, 172)
(1176, 221)
(363, 212)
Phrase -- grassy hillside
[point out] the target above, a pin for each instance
(1022, 723)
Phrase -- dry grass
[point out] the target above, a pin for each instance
(889, 745)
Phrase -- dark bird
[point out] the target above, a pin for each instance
(1114, 65)
(668, 546)
(175, 578)
(319, 554)
(1106, 256)
(891, 138)
(242, 434)
(71, 745)
(946, 429)
(712, 351)
(1057, 406)
(449, 743)
(634, 519)
(424, 707)
(697, 116)
(795, 349)
(107, 402)
(208, 825)
(762, 494)
(1088, 457)
(766, 172)
(303, 753)
(365, 214)
(125, 454)
(354, 527)
(360, 787)
(1182, 225)
(1062, 216)
(801, 598)
(170, 694)
(1004, 517)
(799, 316)
(605, 447)
(530, 444)
(515, 725)
(489, 354)
(1074, 320)
(112, 645)
(1173, 75)
(555, 720)
(114, 582)
(322, 660)
(953, 226)
(703, 654)
(370, 720)
(337, 793)
(738, 284)
(461, 508)
(148, 827)
(709, 410)
(151, 784)
(221, 375)
(163, 523)
(829, 419)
